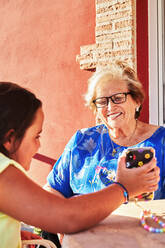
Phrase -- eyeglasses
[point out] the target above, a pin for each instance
(118, 98)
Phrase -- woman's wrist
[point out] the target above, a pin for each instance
(125, 191)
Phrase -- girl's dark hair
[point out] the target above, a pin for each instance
(18, 107)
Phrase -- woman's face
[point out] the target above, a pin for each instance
(116, 115)
(30, 142)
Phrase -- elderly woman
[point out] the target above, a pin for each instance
(89, 161)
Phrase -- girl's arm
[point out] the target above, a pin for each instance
(26, 201)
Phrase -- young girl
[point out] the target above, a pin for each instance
(21, 119)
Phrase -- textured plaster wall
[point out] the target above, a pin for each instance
(39, 41)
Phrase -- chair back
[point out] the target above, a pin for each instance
(44, 242)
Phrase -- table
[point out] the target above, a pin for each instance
(121, 229)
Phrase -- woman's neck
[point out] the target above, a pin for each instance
(123, 135)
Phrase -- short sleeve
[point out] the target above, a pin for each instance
(5, 162)
(59, 177)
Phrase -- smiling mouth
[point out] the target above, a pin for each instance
(114, 115)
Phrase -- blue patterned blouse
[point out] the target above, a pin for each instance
(87, 164)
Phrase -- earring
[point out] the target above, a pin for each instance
(137, 109)
(137, 112)
(98, 120)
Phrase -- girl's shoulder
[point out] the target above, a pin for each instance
(5, 162)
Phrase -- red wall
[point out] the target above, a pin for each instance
(39, 43)
(142, 52)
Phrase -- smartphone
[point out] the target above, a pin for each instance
(137, 157)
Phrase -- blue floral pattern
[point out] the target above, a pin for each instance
(87, 164)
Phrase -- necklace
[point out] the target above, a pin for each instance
(115, 150)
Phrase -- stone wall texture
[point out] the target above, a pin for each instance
(115, 35)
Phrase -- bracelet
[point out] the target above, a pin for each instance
(126, 195)
(146, 213)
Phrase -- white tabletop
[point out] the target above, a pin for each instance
(122, 229)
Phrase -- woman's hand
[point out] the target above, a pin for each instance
(138, 180)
